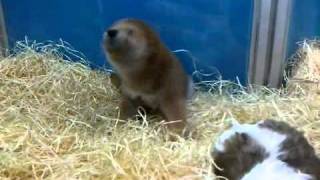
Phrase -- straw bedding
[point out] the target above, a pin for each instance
(58, 120)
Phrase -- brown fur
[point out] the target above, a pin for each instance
(241, 154)
(299, 153)
(150, 75)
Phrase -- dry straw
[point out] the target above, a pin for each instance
(58, 120)
(305, 68)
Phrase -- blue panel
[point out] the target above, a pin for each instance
(216, 32)
(304, 23)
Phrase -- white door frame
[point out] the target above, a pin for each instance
(269, 42)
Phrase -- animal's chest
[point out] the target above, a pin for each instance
(150, 100)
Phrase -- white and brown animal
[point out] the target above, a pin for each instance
(149, 74)
(268, 150)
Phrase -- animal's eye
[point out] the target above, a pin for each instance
(130, 31)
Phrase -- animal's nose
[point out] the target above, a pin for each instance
(112, 33)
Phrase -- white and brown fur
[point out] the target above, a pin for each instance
(149, 74)
(270, 150)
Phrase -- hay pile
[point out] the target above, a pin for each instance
(58, 121)
(304, 68)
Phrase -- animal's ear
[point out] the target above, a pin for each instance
(115, 80)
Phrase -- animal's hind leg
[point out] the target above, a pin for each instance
(175, 113)
(127, 108)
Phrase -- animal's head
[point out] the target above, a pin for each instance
(129, 40)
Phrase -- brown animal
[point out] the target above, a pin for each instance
(150, 75)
